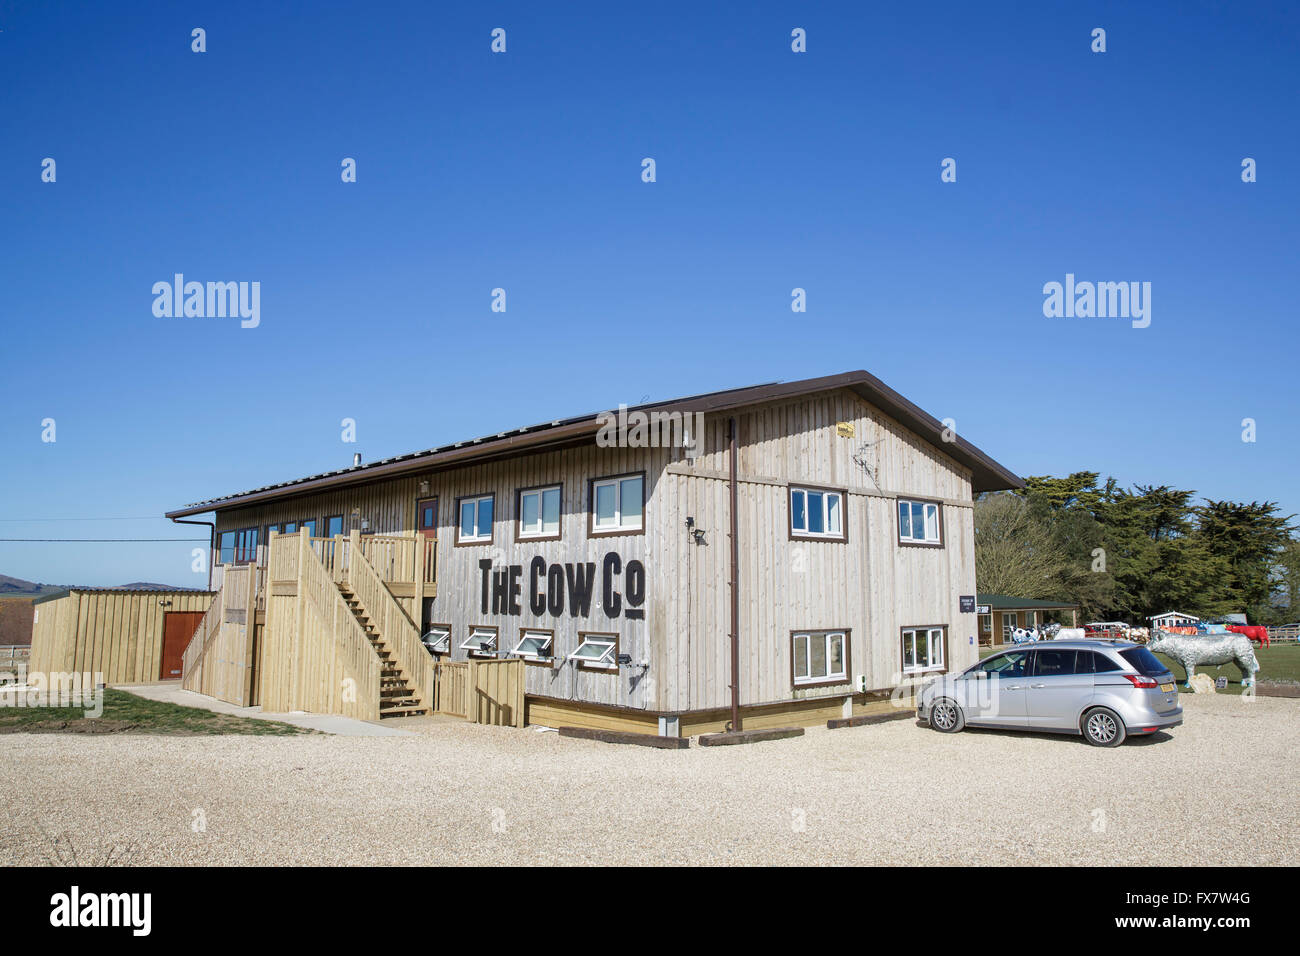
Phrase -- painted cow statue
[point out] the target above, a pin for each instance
(1069, 634)
(1022, 635)
(1255, 632)
(1139, 635)
(1210, 650)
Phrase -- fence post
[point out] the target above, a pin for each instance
(354, 549)
(471, 691)
(421, 544)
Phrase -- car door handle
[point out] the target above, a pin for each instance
(1037, 685)
(1015, 687)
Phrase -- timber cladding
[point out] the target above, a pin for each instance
(662, 589)
(115, 633)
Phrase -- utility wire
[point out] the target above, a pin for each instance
(107, 540)
(84, 518)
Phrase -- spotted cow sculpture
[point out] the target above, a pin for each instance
(1210, 650)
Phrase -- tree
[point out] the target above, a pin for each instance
(1014, 552)
(1250, 537)
(1286, 582)
(1156, 561)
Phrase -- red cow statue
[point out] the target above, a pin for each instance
(1256, 632)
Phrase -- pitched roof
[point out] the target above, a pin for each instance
(76, 589)
(987, 474)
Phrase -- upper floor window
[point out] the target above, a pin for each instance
(475, 526)
(539, 512)
(918, 522)
(618, 505)
(816, 513)
(239, 547)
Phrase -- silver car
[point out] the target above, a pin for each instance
(1104, 690)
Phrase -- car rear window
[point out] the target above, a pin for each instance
(1101, 664)
(1143, 661)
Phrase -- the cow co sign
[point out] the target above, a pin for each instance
(560, 589)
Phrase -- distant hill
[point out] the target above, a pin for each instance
(17, 587)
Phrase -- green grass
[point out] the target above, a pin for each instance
(129, 714)
(1278, 662)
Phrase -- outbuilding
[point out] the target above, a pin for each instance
(1174, 619)
(115, 635)
(1000, 614)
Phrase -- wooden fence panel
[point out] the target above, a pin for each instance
(451, 688)
(218, 661)
(498, 692)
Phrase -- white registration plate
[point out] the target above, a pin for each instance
(1166, 687)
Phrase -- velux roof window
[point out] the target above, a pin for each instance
(438, 639)
(534, 646)
(482, 642)
(597, 650)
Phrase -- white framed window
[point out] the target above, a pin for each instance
(922, 649)
(438, 638)
(475, 524)
(1009, 624)
(482, 642)
(820, 657)
(617, 504)
(918, 522)
(598, 651)
(816, 513)
(539, 512)
(534, 646)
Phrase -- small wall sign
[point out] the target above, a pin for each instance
(845, 429)
(967, 603)
(1220, 683)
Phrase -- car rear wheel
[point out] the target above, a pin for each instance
(945, 716)
(1102, 727)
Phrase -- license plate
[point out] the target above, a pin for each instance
(1166, 687)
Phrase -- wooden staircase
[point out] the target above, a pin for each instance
(397, 697)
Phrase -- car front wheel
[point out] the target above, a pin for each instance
(1102, 727)
(945, 716)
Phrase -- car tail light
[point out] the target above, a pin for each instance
(1145, 683)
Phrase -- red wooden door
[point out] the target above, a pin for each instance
(178, 628)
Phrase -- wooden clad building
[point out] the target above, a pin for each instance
(125, 636)
(598, 551)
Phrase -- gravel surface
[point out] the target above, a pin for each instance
(1221, 789)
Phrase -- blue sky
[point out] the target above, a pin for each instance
(522, 170)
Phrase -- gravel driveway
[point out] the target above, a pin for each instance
(1221, 789)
